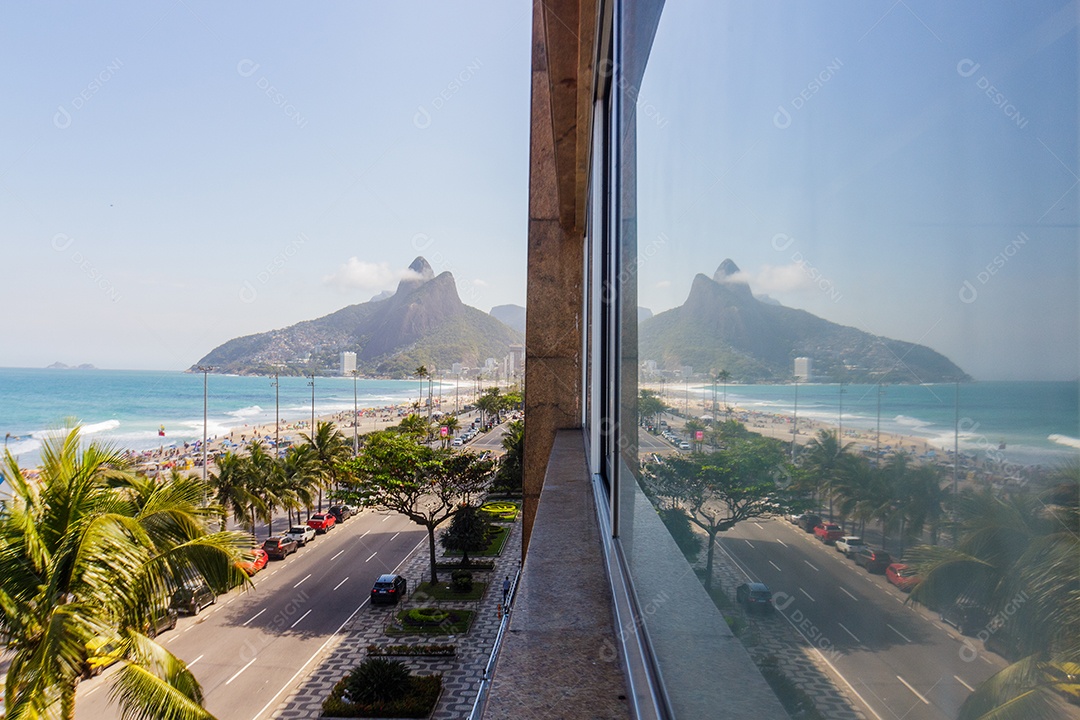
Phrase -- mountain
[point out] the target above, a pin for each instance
(723, 326)
(423, 322)
(512, 315)
(643, 314)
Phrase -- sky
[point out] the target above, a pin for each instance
(175, 174)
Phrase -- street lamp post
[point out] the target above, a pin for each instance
(840, 416)
(277, 416)
(877, 448)
(795, 422)
(355, 415)
(205, 370)
(311, 383)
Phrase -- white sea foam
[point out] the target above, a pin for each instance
(246, 412)
(1064, 440)
(101, 427)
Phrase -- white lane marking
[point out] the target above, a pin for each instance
(394, 536)
(811, 565)
(898, 633)
(336, 556)
(302, 581)
(385, 519)
(970, 689)
(341, 583)
(760, 526)
(342, 626)
(365, 534)
(984, 659)
(229, 600)
(848, 632)
(372, 555)
(195, 661)
(908, 686)
(250, 663)
(299, 619)
(781, 542)
(775, 566)
(807, 595)
(254, 616)
(748, 543)
(850, 595)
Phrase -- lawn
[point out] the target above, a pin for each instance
(442, 591)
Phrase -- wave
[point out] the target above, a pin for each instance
(1064, 440)
(912, 422)
(100, 427)
(250, 411)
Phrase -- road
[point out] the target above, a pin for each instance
(900, 660)
(249, 649)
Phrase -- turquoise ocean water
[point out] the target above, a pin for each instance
(1021, 423)
(128, 407)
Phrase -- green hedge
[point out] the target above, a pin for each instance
(445, 591)
(495, 545)
(427, 650)
(431, 621)
(418, 702)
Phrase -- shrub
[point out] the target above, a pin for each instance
(684, 536)
(469, 531)
(425, 616)
(376, 680)
(417, 701)
(461, 581)
(429, 650)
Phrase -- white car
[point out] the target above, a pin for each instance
(849, 544)
(302, 534)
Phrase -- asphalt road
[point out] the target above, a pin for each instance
(900, 660)
(249, 648)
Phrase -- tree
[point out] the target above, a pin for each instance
(489, 404)
(511, 470)
(395, 472)
(421, 372)
(693, 427)
(468, 531)
(329, 448)
(725, 377)
(300, 476)
(415, 425)
(1017, 552)
(451, 424)
(267, 480)
(721, 489)
(822, 461)
(234, 492)
(87, 550)
(649, 405)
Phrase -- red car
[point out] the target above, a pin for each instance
(902, 576)
(322, 522)
(828, 533)
(257, 562)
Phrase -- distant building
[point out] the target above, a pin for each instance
(348, 363)
(803, 368)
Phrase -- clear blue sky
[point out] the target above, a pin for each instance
(175, 174)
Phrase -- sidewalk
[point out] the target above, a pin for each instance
(461, 674)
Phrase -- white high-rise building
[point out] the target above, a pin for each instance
(348, 363)
(804, 368)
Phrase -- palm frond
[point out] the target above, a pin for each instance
(156, 685)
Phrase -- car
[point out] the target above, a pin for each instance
(192, 598)
(828, 533)
(966, 616)
(341, 512)
(684, 445)
(808, 521)
(101, 652)
(257, 562)
(849, 544)
(279, 548)
(872, 559)
(302, 534)
(754, 596)
(322, 522)
(457, 442)
(161, 619)
(388, 588)
(902, 576)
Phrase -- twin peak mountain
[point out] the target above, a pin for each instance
(722, 325)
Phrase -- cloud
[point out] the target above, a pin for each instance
(777, 279)
(479, 283)
(663, 284)
(355, 274)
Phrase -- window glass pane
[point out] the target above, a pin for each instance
(850, 235)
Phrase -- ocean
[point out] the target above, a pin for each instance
(1019, 423)
(128, 407)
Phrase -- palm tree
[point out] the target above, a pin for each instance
(330, 449)
(724, 376)
(416, 425)
(421, 372)
(452, 424)
(823, 460)
(267, 480)
(86, 550)
(1015, 553)
(233, 491)
(489, 404)
(300, 476)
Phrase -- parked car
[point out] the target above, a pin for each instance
(684, 445)
(871, 559)
(828, 533)
(902, 576)
(808, 521)
(101, 652)
(388, 589)
(161, 619)
(192, 598)
(754, 596)
(849, 544)
(342, 512)
(322, 522)
(966, 616)
(302, 534)
(279, 548)
(257, 562)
